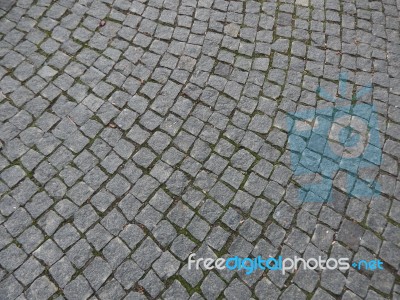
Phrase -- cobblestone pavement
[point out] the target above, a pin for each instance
(134, 133)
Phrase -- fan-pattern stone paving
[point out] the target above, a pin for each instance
(134, 133)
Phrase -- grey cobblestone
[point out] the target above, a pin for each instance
(134, 134)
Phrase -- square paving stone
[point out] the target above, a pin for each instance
(12, 257)
(62, 271)
(29, 271)
(97, 272)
